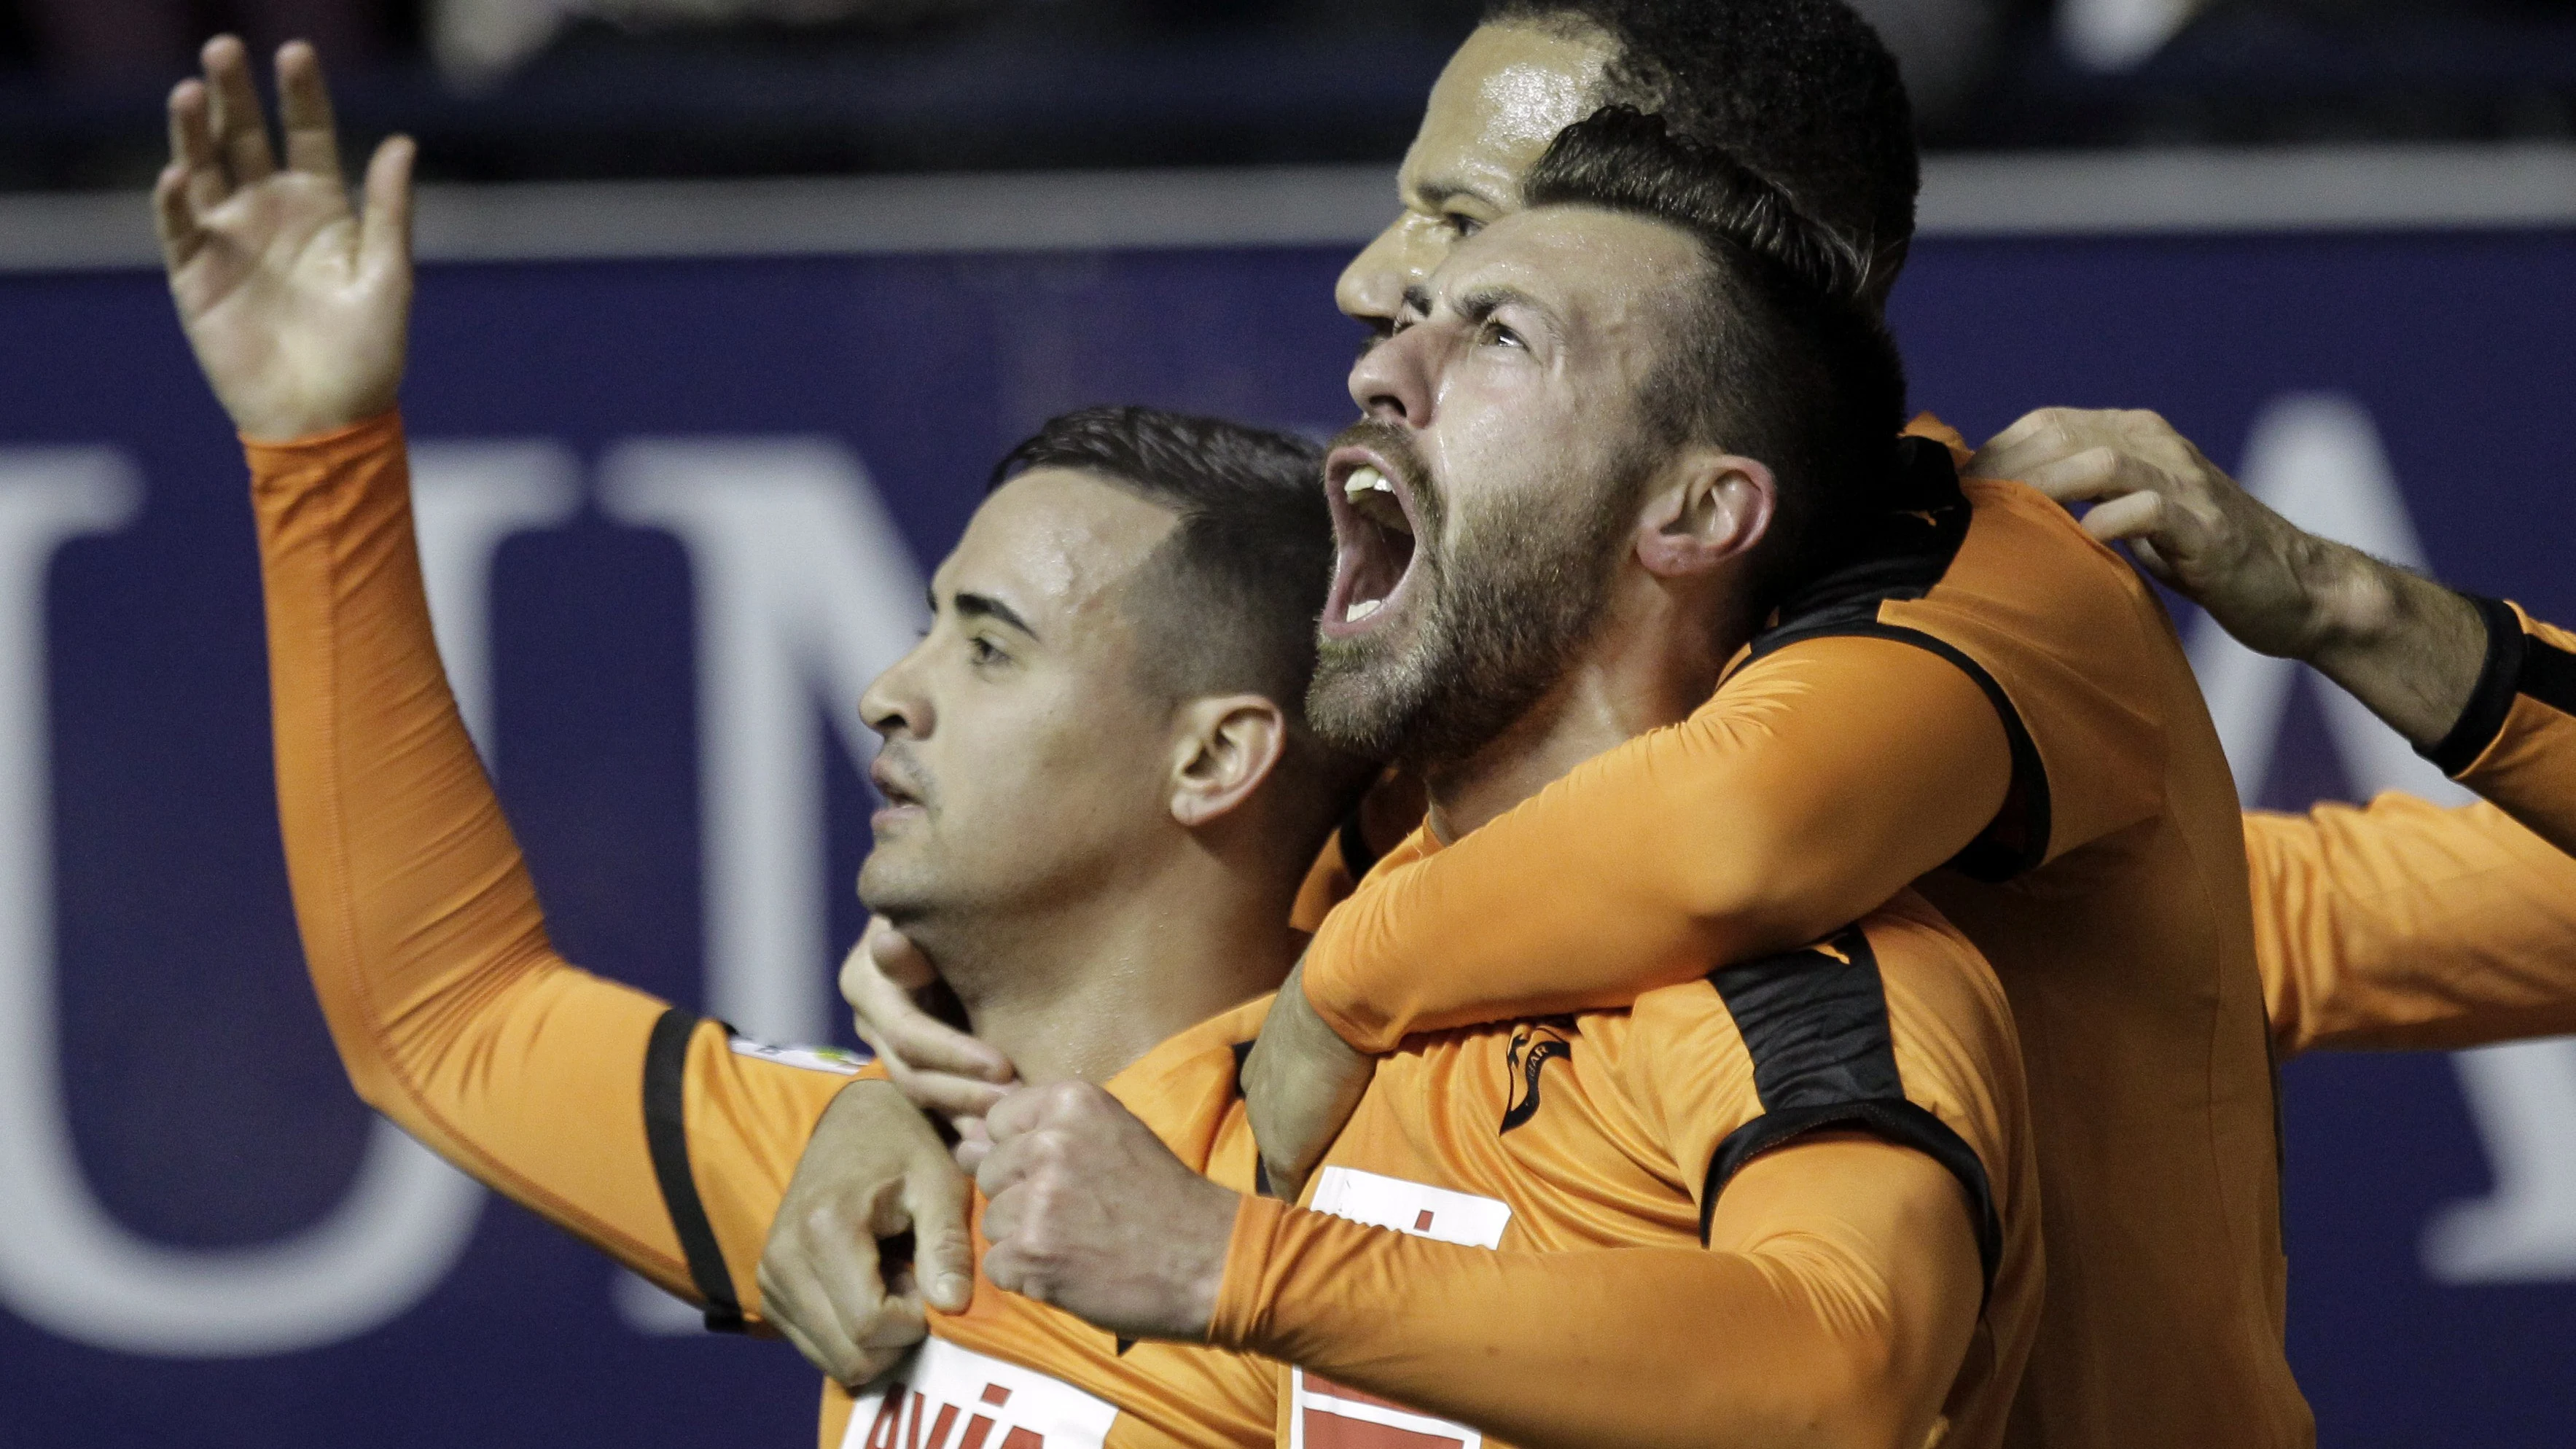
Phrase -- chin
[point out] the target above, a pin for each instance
(893, 887)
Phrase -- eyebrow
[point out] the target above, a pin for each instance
(983, 606)
(1433, 194)
(1478, 303)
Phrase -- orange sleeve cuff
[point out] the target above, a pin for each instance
(339, 443)
(1242, 1299)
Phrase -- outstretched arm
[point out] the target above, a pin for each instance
(2404, 925)
(631, 1124)
(2404, 645)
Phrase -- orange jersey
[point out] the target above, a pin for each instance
(2515, 744)
(639, 1128)
(2406, 925)
(1620, 1130)
(1991, 704)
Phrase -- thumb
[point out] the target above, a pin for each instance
(903, 963)
(943, 1252)
(384, 231)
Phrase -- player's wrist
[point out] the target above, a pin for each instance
(2352, 606)
(289, 427)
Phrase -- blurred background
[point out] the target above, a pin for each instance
(728, 306)
(538, 89)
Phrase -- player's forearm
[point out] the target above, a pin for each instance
(1817, 784)
(408, 887)
(2402, 644)
(1632, 1346)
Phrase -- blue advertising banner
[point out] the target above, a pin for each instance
(675, 514)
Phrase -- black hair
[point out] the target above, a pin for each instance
(1802, 93)
(1782, 359)
(1229, 601)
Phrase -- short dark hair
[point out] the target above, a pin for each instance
(1229, 601)
(1802, 92)
(1781, 359)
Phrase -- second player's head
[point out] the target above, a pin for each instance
(1113, 681)
(1629, 417)
(1801, 91)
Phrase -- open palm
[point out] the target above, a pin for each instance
(297, 305)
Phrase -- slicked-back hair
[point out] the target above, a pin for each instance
(1779, 358)
(1228, 602)
(1802, 92)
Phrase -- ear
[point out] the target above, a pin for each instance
(1712, 507)
(1222, 749)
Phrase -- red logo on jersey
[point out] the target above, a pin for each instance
(901, 1418)
(1329, 1425)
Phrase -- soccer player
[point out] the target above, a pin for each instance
(1548, 503)
(1143, 579)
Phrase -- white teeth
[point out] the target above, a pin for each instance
(1365, 479)
(1363, 609)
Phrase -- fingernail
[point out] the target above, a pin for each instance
(953, 1290)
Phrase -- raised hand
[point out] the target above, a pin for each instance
(297, 305)
(2404, 645)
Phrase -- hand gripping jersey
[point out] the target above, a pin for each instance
(1988, 702)
(639, 1128)
(1599, 1146)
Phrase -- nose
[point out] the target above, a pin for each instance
(894, 704)
(1372, 286)
(1393, 381)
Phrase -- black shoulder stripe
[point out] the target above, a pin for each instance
(2018, 839)
(666, 1132)
(1357, 858)
(1824, 1057)
(1898, 1121)
(2499, 679)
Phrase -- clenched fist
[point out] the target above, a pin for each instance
(1091, 1212)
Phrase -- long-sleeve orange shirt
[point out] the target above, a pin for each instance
(1989, 702)
(644, 1131)
(1601, 1154)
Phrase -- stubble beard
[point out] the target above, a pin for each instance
(1496, 628)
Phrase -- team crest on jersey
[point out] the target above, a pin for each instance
(947, 1397)
(1534, 1045)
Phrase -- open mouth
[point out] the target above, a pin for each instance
(1373, 524)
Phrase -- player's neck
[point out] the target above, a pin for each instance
(1648, 665)
(1086, 988)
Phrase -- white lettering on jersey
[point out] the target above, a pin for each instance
(1327, 1415)
(813, 1059)
(947, 1397)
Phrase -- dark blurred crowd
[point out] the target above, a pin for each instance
(531, 88)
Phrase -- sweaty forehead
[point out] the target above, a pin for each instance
(1054, 543)
(1584, 263)
(1501, 99)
